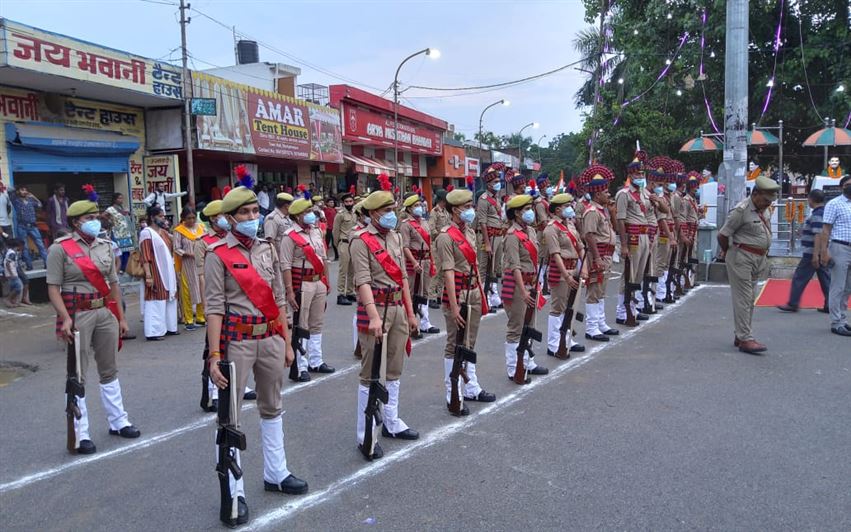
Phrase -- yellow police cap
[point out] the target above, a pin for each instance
(283, 196)
(412, 198)
(300, 205)
(766, 184)
(236, 198)
(317, 199)
(518, 201)
(213, 208)
(459, 196)
(560, 199)
(82, 207)
(377, 200)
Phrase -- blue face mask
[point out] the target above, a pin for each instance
(640, 182)
(310, 218)
(388, 220)
(248, 227)
(550, 191)
(497, 186)
(528, 217)
(468, 215)
(223, 223)
(90, 228)
(587, 197)
(417, 212)
(568, 213)
(658, 191)
(672, 187)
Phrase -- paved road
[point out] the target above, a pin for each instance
(666, 428)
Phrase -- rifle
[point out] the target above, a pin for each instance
(647, 292)
(229, 439)
(73, 382)
(490, 274)
(629, 291)
(563, 351)
(206, 403)
(529, 334)
(691, 265)
(685, 260)
(418, 297)
(299, 333)
(463, 354)
(377, 392)
(673, 277)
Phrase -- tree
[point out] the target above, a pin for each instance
(460, 137)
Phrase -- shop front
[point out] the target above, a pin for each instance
(448, 169)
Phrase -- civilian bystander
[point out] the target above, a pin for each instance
(809, 264)
(834, 246)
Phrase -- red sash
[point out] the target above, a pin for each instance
(427, 239)
(384, 259)
(533, 254)
(210, 239)
(258, 290)
(93, 275)
(566, 231)
(493, 202)
(636, 196)
(310, 254)
(470, 255)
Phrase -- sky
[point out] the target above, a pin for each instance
(482, 42)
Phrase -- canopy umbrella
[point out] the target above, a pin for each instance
(758, 137)
(830, 136)
(702, 144)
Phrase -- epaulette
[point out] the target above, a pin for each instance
(214, 245)
(62, 238)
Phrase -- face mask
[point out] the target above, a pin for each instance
(223, 223)
(468, 215)
(528, 217)
(550, 191)
(587, 197)
(309, 218)
(658, 191)
(640, 183)
(418, 212)
(497, 186)
(388, 220)
(90, 228)
(248, 227)
(163, 224)
(367, 221)
(349, 207)
(568, 213)
(672, 187)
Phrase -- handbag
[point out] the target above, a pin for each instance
(134, 265)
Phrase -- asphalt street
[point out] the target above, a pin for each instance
(668, 427)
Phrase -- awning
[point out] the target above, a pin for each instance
(69, 141)
(404, 167)
(365, 165)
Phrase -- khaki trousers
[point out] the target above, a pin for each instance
(396, 327)
(558, 298)
(638, 255)
(99, 340)
(663, 256)
(484, 258)
(743, 270)
(345, 271)
(652, 257)
(313, 299)
(265, 358)
(516, 315)
(475, 305)
(596, 291)
(435, 287)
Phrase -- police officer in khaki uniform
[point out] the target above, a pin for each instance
(744, 241)
(303, 264)
(384, 306)
(667, 232)
(600, 242)
(565, 249)
(438, 219)
(454, 249)
(521, 258)
(342, 234)
(362, 222)
(657, 212)
(82, 306)
(691, 217)
(632, 204)
(491, 230)
(253, 340)
(278, 221)
(419, 260)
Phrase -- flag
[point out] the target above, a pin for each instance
(560, 185)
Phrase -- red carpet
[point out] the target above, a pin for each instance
(776, 292)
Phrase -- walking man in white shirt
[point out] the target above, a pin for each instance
(834, 244)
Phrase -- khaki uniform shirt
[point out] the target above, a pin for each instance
(542, 215)
(745, 226)
(438, 219)
(690, 209)
(595, 221)
(292, 255)
(62, 270)
(448, 256)
(274, 226)
(662, 216)
(516, 256)
(652, 215)
(201, 249)
(557, 240)
(367, 269)
(629, 210)
(677, 207)
(222, 291)
(343, 224)
(486, 213)
(411, 239)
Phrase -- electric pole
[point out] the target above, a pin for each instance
(735, 107)
(598, 78)
(187, 94)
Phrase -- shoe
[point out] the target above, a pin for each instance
(824, 310)
(342, 300)
(377, 452)
(787, 308)
(500, 306)
(126, 432)
(736, 342)
(642, 317)
(129, 337)
(464, 411)
(483, 397)
(550, 353)
(416, 335)
(303, 376)
(322, 368)
(249, 396)
(434, 303)
(527, 381)
(577, 348)
(352, 298)
(214, 406)
(430, 330)
(154, 338)
(86, 447)
(191, 327)
(539, 370)
(841, 331)
(172, 333)
(669, 299)
(407, 434)
(752, 346)
(292, 485)
(493, 310)
(623, 322)
(611, 332)
(597, 337)
(201, 323)
(647, 310)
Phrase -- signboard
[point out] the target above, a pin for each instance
(163, 169)
(255, 121)
(508, 160)
(362, 125)
(202, 106)
(50, 53)
(472, 166)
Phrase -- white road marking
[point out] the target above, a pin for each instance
(274, 517)
(4, 312)
(163, 437)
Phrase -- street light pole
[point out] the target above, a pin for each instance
(520, 143)
(187, 116)
(481, 117)
(539, 149)
(434, 53)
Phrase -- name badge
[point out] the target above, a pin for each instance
(240, 266)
